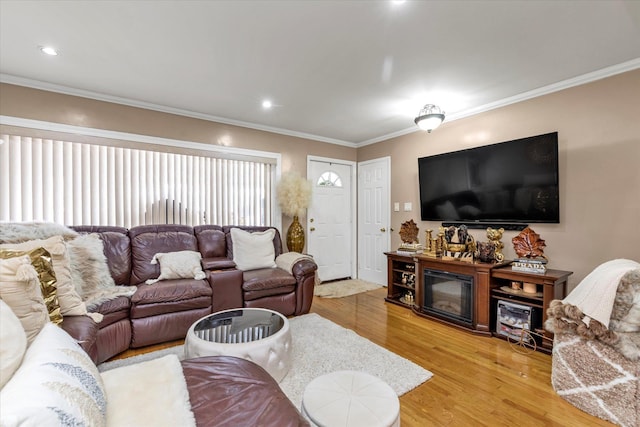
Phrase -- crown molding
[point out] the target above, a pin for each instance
(555, 87)
(65, 90)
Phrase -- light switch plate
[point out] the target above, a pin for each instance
(396, 207)
(407, 206)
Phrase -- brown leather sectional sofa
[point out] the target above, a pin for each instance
(164, 311)
(222, 390)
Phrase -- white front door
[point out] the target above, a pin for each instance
(330, 218)
(373, 219)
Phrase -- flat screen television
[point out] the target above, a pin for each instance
(509, 183)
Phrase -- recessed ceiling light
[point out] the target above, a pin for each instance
(266, 104)
(48, 50)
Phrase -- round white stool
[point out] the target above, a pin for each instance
(350, 398)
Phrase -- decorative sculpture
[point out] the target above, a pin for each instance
(528, 244)
(458, 243)
(409, 232)
(486, 252)
(433, 246)
(494, 237)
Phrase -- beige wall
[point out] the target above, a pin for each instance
(17, 101)
(598, 127)
(599, 139)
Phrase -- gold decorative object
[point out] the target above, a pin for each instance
(409, 237)
(458, 244)
(294, 195)
(409, 232)
(494, 237)
(295, 236)
(456, 247)
(434, 246)
(528, 244)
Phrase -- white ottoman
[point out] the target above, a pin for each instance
(350, 398)
(256, 334)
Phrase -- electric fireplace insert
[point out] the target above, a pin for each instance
(449, 296)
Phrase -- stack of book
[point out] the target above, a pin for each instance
(409, 249)
(530, 265)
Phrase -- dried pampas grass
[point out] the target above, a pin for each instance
(293, 193)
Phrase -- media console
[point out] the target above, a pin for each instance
(467, 295)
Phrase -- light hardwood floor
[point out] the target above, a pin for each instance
(477, 381)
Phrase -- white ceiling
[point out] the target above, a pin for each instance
(348, 72)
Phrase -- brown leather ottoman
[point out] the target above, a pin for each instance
(228, 391)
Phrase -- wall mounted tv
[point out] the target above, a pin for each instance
(509, 184)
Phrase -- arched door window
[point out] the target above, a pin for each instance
(329, 179)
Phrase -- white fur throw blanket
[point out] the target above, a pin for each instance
(152, 393)
(17, 232)
(596, 293)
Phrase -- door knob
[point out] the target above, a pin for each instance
(383, 229)
(311, 220)
(312, 229)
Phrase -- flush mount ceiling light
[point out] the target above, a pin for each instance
(48, 50)
(430, 117)
(267, 104)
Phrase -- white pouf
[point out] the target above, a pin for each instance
(256, 334)
(350, 398)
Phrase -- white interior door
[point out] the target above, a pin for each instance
(329, 219)
(374, 236)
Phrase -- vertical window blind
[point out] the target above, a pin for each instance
(75, 183)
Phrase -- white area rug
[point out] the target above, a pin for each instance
(344, 288)
(319, 347)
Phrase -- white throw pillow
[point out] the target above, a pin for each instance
(252, 251)
(57, 384)
(14, 343)
(178, 265)
(20, 290)
(70, 302)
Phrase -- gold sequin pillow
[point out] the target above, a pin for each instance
(42, 263)
(70, 302)
(20, 290)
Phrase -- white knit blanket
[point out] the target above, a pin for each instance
(152, 393)
(287, 260)
(595, 294)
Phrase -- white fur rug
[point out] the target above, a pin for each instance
(319, 347)
(155, 395)
(344, 288)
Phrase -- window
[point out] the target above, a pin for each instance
(76, 183)
(329, 179)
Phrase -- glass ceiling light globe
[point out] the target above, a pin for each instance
(430, 117)
(49, 50)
